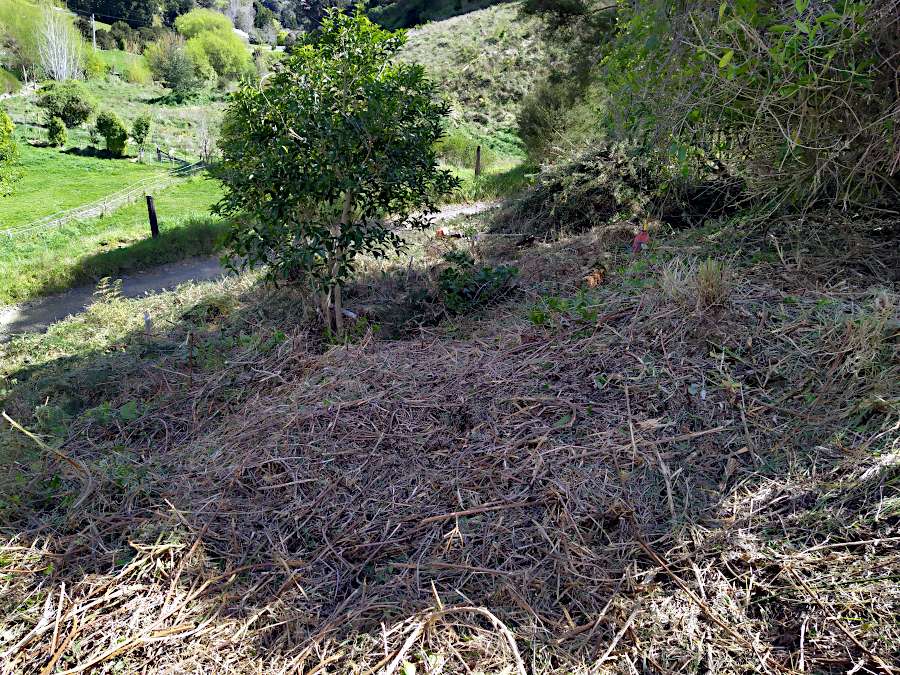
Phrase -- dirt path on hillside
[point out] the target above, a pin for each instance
(38, 315)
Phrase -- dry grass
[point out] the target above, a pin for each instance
(642, 489)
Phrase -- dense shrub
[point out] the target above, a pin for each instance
(317, 174)
(94, 65)
(140, 132)
(56, 133)
(224, 54)
(199, 21)
(113, 130)
(214, 46)
(137, 72)
(105, 39)
(9, 155)
(172, 65)
(68, 101)
(796, 99)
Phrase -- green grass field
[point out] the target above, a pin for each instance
(54, 181)
(82, 252)
(177, 128)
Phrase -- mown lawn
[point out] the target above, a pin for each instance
(55, 180)
(83, 252)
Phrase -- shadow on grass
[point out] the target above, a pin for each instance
(194, 237)
(94, 151)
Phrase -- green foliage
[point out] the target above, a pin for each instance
(174, 67)
(463, 287)
(140, 131)
(56, 132)
(136, 12)
(68, 101)
(113, 130)
(213, 44)
(321, 165)
(224, 54)
(9, 155)
(137, 72)
(199, 21)
(94, 65)
(459, 148)
(791, 98)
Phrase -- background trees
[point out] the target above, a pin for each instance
(69, 101)
(336, 151)
(59, 45)
(172, 65)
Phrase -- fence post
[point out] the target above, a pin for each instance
(158, 154)
(478, 161)
(151, 212)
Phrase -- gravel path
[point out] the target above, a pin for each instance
(40, 314)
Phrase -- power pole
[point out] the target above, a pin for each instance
(94, 32)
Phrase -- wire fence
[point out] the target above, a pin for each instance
(106, 204)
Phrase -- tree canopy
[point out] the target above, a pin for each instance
(334, 152)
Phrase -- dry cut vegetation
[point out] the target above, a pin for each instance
(691, 468)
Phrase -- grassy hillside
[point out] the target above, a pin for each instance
(406, 13)
(176, 127)
(486, 62)
(54, 181)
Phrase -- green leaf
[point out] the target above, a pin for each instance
(409, 668)
(129, 412)
(801, 5)
(726, 58)
(802, 26)
(722, 8)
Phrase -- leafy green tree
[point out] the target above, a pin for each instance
(69, 101)
(223, 53)
(172, 9)
(140, 132)
(56, 133)
(172, 65)
(202, 21)
(9, 155)
(113, 130)
(330, 157)
(135, 12)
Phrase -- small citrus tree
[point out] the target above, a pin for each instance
(140, 132)
(327, 158)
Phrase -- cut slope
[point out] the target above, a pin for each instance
(625, 474)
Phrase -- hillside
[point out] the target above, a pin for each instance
(637, 413)
(708, 464)
(486, 61)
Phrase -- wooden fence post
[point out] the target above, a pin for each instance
(478, 161)
(151, 212)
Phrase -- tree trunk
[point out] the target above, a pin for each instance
(336, 231)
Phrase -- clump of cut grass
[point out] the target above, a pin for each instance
(553, 497)
(700, 285)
